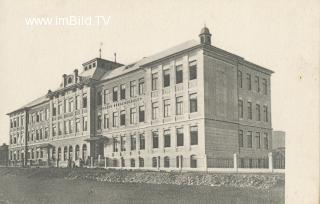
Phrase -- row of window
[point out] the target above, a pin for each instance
(17, 139)
(39, 116)
(67, 126)
(257, 84)
(17, 121)
(251, 137)
(39, 134)
(68, 105)
(250, 111)
(167, 138)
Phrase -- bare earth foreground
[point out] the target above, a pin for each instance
(23, 186)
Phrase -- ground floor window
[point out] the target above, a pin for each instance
(123, 163)
(193, 161)
(132, 163)
(141, 162)
(166, 162)
(65, 152)
(154, 162)
(114, 163)
(84, 151)
(77, 152)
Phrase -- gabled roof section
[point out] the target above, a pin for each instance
(35, 102)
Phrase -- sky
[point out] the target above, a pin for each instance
(280, 35)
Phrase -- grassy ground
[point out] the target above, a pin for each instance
(17, 188)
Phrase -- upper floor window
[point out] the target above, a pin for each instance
(179, 105)
(265, 112)
(99, 98)
(258, 140)
(194, 135)
(84, 101)
(240, 79)
(132, 88)
(123, 117)
(180, 137)
(115, 94)
(155, 139)
(240, 138)
(85, 124)
(99, 122)
(142, 141)
(249, 139)
(141, 86)
(133, 142)
(257, 84)
(115, 117)
(258, 116)
(192, 70)
(106, 96)
(249, 110)
(155, 110)
(54, 110)
(105, 121)
(77, 125)
(167, 138)
(154, 81)
(249, 81)
(78, 102)
(193, 103)
(166, 78)
(115, 144)
(141, 113)
(179, 74)
(132, 115)
(265, 86)
(166, 108)
(240, 104)
(122, 92)
(123, 143)
(70, 105)
(266, 141)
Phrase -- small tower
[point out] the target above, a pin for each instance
(205, 36)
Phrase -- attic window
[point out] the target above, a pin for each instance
(94, 64)
(85, 68)
(70, 80)
(90, 66)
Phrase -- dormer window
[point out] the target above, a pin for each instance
(94, 64)
(90, 66)
(85, 68)
(69, 80)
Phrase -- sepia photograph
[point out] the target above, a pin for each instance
(159, 102)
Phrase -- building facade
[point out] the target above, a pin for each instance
(184, 107)
(4, 155)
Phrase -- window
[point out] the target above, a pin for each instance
(115, 94)
(249, 81)
(85, 123)
(70, 104)
(240, 79)
(133, 115)
(77, 151)
(266, 142)
(155, 139)
(141, 162)
(192, 70)
(46, 133)
(99, 98)
(71, 126)
(77, 125)
(155, 109)
(132, 88)
(193, 161)
(154, 162)
(59, 128)
(167, 138)
(141, 86)
(141, 113)
(99, 122)
(133, 142)
(54, 111)
(240, 138)
(123, 143)
(193, 103)
(65, 153)
(84, 101)
(115, 119)
(240, 104)
(38, 119)
(249, 139)
(132, 163)
(249, 110)
(180, 137)
(123, 117)
(154, 81)
(194, 135)
(60, 108)
(265, 86)
(142, 141)
(166, 108)
(258, 115)
(257, 83)
(70, 152)
(105, 121)
(166, 162)
(54, 131)
(179, 74)
(115, 144)
(258, 140)
(122, 92)
(106, 96)
(179, 105)
(166, 78)
(265, 112)
(78, 102)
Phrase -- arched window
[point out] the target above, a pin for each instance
(53, 156)
(65, 153)
(32, 154)
(115, 163)
(141, 162)
(77, 152)
(69, 80)
(59, 153)
(132, 163)
(154, 162)
(123, 162)
(84, 151)
(70, 152)
(193, 161)
(178, 161)
(166, 162)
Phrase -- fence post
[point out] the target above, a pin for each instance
(270, 161)
(235, 162)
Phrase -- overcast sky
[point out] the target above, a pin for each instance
(279, 35)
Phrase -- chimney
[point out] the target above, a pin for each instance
(75, 75)
(64, 77)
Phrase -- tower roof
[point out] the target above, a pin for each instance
(205, 30)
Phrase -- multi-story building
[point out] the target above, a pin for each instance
(4, 154)
(182, 107)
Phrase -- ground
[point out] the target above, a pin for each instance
(41, 189)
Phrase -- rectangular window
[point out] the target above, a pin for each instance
(115, 144)
(59, 129)
(192, 70)
(265, 112)
(194, 135)
(166, 78)
(240, 104)
(249, 110)
(249, 81)
(180, 137)
(77, 125)
(141, 113)
(167, 138)
(70, 102)
(115, 94)
(132, 88)
(106, 121)
(266, 141)
(258, 115)
(133, 115)
(99, 122)
(123, 143)
(123, 117)
(122, 92)
(142, 141)
(265, 86)
(106, 96)
(115, 119)
(141, 86)
(240, 138)
(154, 81)
(84, 101)
(240, 79)
(155, 110)
(71, 126)
(78, 102)
(60, 108)
(133, 142)
(166, 108)
(249, 139)
(85, 123)
(193, 103)
(54, 131)
(179, 105)
(46, 133)
(258, 140)
(99, 98)
(179, 74)
(155, 139)
(257, 83)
